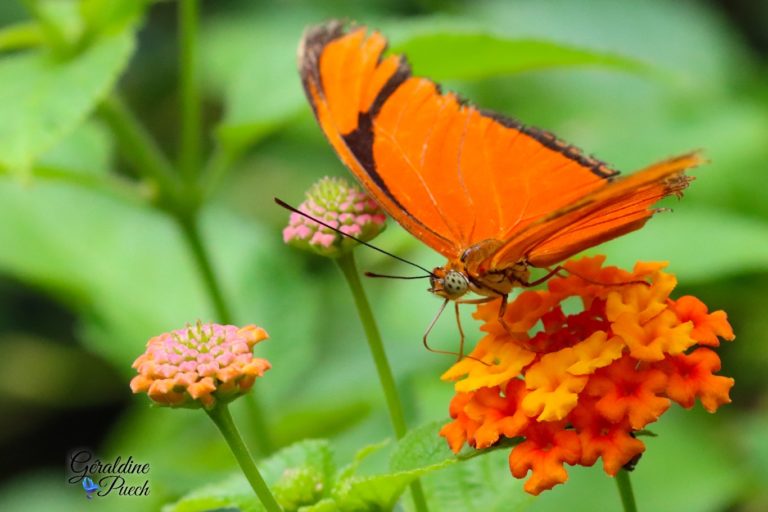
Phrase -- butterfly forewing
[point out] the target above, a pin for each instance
(454, 175)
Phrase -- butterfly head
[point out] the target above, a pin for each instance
(448, 283)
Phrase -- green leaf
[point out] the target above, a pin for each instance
(303, 469)
(479, 480)
(700, 244)
(302, 478)
(85, 158)
(419, 447)
(360, 456)
(315, 454)
(481, 483)
(301, 474)
(87, 150)
(232, 493)
(41, 100)
(696, 41)
(421, 451)
(324, 505)
(380, 492)
(105, 16)
(479, 55)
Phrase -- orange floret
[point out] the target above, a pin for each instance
(495, 360)
(552, 390)
(626, 392)
(653, 339)
(482, 417)
(548, 446)
(706, 326)
(600, 438)
(692, 376)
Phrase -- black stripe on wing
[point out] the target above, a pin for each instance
(549, 140)
(359, 141)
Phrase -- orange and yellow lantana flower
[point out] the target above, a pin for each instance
(576, 386)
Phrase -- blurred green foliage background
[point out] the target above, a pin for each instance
(89, 271)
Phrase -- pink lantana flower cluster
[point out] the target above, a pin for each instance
(340, 205)
(200, 366)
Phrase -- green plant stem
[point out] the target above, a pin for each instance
(223, 420)
(216, 168)
(625, 491)
(52, 33)
(138, 147)
(113, 184)
(191, 229)
(189, 89)
(349, 269)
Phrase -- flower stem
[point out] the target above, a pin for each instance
(216, 168)
(189, 89)
(348, 267)
(137, 146)
(625, 491)
(191, 230)
(223, 420)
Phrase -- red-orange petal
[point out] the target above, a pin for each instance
(707, 327)
(692, 376)
(613, 442)
(623, 391)
(547, 448)
(457, 431)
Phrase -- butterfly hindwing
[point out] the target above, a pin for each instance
(620, 207)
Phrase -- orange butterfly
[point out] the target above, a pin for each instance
(493, 196)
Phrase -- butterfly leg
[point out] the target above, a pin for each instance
(461, 331)
(460, 354)
(502, 311)
(458, 323)
(557, 269)
(458, 320)
(432, 324)
(549, 275)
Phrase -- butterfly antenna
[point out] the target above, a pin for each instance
(382, 251)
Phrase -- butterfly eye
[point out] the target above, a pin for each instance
(455, 284)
